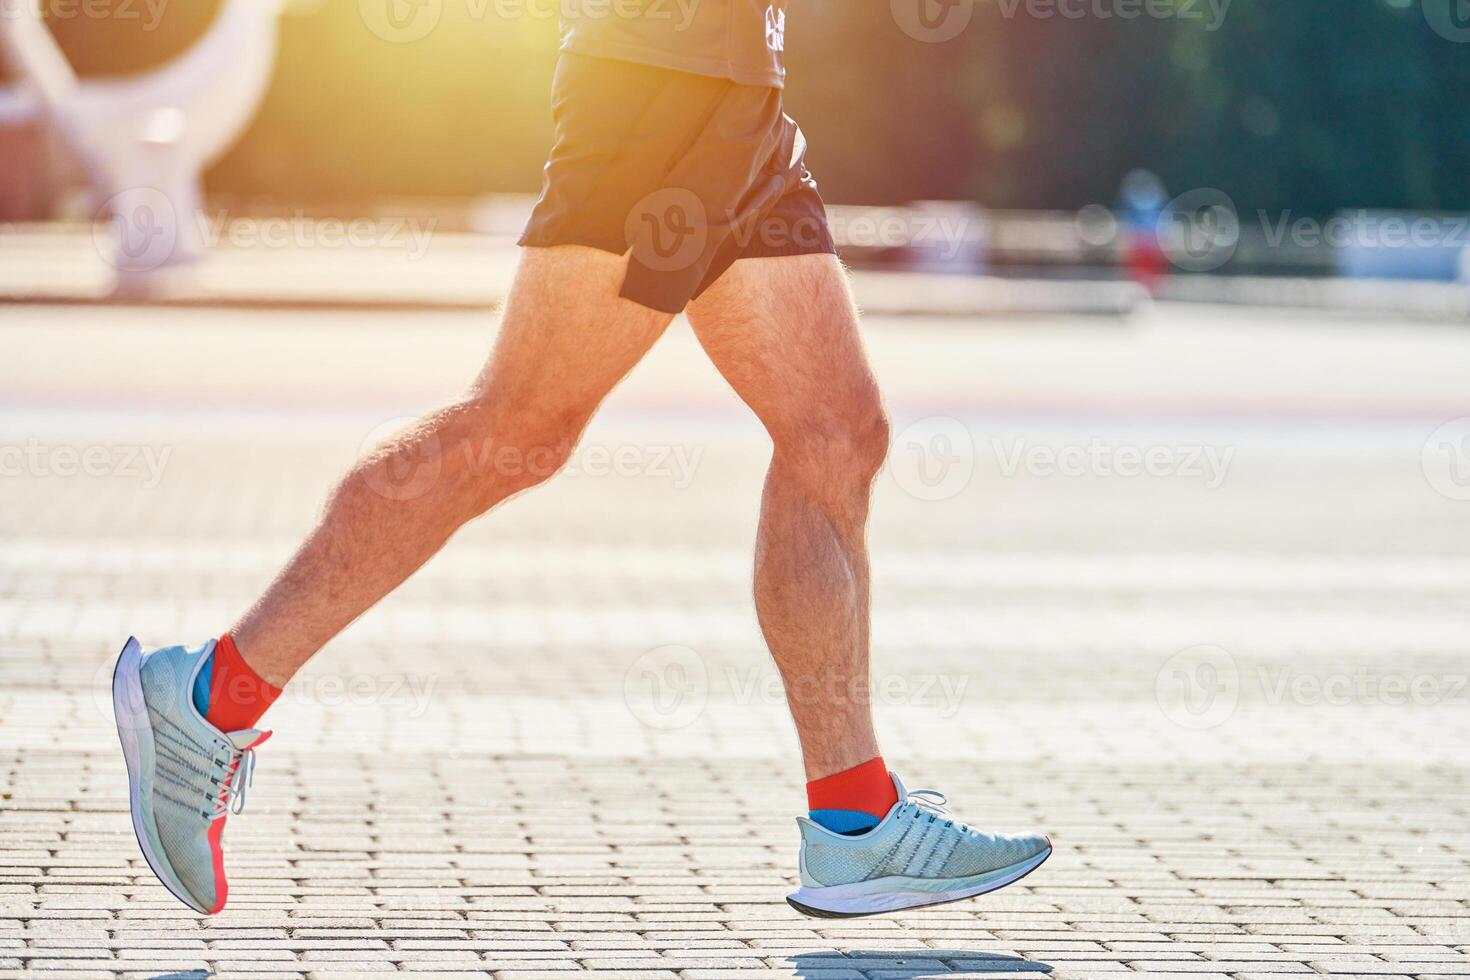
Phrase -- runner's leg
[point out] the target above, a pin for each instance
(784, 333)
(565, 341)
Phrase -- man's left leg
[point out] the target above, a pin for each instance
(784, 332)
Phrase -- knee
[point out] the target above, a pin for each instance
(868, 443)
(473, 454)
(844, 451)
(501, 446)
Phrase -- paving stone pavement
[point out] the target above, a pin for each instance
(1233, 692)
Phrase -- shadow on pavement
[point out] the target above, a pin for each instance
(911, 964)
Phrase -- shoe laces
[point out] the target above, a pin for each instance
(233, 782)
(935, 804)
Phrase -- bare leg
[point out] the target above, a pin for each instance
(566, 340)
(783, 332)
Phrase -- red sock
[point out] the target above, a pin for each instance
(238, 696)
(867, 788)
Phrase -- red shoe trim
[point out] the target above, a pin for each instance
(263, 737)
(217, 849)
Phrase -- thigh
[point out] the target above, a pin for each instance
(784, 332)
(567, 337)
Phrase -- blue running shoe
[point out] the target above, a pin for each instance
(919, 855)
(185, 776)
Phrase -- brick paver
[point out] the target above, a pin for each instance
(1239, 709)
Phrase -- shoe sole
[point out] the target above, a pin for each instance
(135, 732)
(898, 893)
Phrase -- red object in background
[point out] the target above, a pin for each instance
(1145, 261)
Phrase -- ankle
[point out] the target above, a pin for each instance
(235, 695)
(854, 800)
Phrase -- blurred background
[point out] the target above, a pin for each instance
(1319, 107)
(1169, 303)
(1260, 141)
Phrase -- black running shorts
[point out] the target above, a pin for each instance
(689, 173)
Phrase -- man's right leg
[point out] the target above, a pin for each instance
(566, 340)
